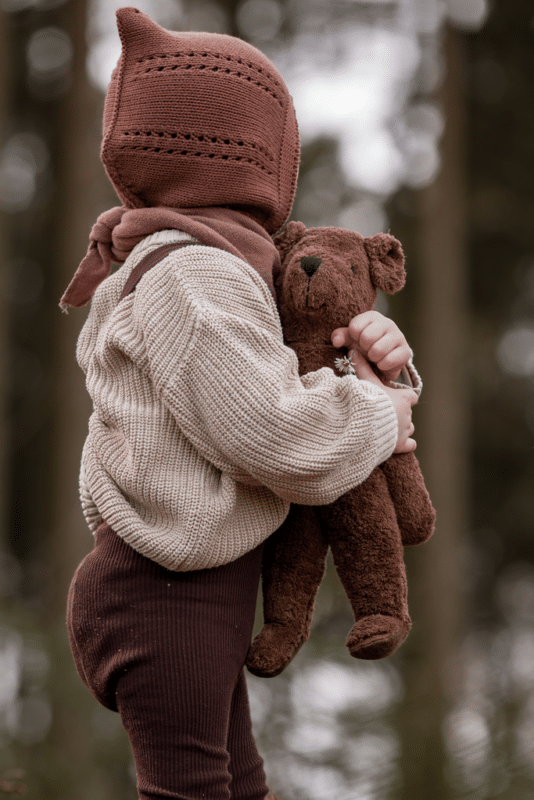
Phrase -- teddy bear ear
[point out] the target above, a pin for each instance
(292, 233)
(386, 262)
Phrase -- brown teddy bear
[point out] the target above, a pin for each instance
(328, 276)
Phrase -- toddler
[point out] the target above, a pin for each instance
(202, 432)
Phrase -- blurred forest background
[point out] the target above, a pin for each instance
(417, 116)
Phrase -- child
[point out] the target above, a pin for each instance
(202, 432)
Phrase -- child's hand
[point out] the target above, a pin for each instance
(402, 399)
(379, 339)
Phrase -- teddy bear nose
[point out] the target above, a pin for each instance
(310, 264)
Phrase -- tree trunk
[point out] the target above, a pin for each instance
(79, 186)
(78, 178)
(4, 261)
(441, 430)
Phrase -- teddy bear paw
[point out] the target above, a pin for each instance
(272, 650)
(377, 636)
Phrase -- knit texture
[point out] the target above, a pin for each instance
(199, 134)
(198, 119)
(203, 432)
(118, 230)
(166, 650)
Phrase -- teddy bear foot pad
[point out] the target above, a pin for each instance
(377, 636)
(273, 648)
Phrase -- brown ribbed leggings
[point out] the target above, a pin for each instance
(166, 650)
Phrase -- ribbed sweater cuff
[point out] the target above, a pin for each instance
(409, 377)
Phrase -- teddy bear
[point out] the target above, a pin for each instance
(328, 276)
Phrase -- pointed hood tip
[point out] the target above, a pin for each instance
(123, 10)
(131, 22)
(130, 14)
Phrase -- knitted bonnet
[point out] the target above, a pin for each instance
(200, 135)
(194, 120)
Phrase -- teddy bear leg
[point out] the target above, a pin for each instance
(366, 545)
(293, 566)
(415, 513)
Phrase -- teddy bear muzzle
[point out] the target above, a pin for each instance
(310, 264)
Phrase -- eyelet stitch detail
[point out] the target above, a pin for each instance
(152, 69)
(162, 151)
(202, 138)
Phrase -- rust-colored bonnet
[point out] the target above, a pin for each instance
(197, 120)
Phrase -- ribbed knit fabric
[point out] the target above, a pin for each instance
(117, 231)
(166, 650)
(197, 119)
(199, 134)
(202, 432)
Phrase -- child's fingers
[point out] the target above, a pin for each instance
(379, 339)
(384, 347)
(407, 447)
(341, 338)
(376, 336)
(364, 371)
(350, 335)
(405, 442)
(358, 324)
(392, 362)
(370, 335)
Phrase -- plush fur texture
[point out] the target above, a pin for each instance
(330, 275)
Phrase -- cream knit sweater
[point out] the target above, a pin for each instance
(202, 432)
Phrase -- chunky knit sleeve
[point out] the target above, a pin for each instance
(90, 511)
(213, 347)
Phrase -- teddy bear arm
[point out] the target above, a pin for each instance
(293, 566)
(415, 513)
